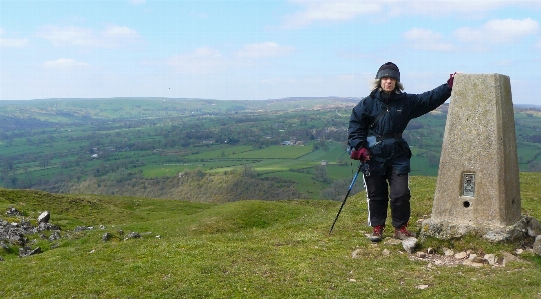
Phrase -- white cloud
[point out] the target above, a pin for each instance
(425, 39)
(313, 11)
(61, 36)
(465, 8)
(422, 34)
(112, 36)
(210, 60)
(116, 36)
(334, 10)
(12, 42)
(498, 31)
(202, 60)
(64, 64)
(267, 49)
(120, 32)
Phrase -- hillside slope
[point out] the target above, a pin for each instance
(246, 249)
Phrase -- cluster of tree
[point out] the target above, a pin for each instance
(338, 188)
(536, 138)
(320, 174)
(21, 124)
(534, 166)
(192, 185)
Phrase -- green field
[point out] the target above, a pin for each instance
(275, 152)
(73, 144)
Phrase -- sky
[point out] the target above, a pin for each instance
(258, 50)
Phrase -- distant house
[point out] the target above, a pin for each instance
(323, 162)
(94, 156)
(286, 143)
(208, 142)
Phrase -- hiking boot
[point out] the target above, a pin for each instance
(377, 233)
(402, 233)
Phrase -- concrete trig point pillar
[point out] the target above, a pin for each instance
(478, 189)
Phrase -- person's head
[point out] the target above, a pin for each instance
(388, 78)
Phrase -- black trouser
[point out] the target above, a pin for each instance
(377, 190)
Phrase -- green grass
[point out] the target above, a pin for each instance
(420, 166)
(339, 172)
(275, 152)
(335, 152)
(224, 152)
(246, 249)
(277, 165)
(305, 183)
(172, 169)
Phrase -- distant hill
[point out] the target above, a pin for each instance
(528, 106)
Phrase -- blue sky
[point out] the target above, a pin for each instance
(256, 50)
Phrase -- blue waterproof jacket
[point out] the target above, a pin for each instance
(378, 126)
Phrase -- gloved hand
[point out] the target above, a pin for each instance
(451, 79)
(361, 154)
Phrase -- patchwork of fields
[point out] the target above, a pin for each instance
(60, 146)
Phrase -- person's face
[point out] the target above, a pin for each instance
(388, 84)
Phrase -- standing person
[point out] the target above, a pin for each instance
(375, 137)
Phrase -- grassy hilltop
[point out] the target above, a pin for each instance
(247, 249)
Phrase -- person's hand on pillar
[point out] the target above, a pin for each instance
(361, 154)
(451, 79)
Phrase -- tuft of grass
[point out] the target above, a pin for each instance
(247, 249)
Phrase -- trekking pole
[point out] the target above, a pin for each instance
(347, 194)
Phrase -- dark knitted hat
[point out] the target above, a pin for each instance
(389, 69)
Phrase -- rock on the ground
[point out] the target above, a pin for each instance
(524, 228)
(534, 228)
(106, 237)
(44, 217)
(537, 245)
(13, 212)
(133, 235)
(448, 252)
(356, 253)
(479, 260)
(27, 251)
(508, 257)
(491, 258)
(409, 244)
(461, 255)
(55, 236)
